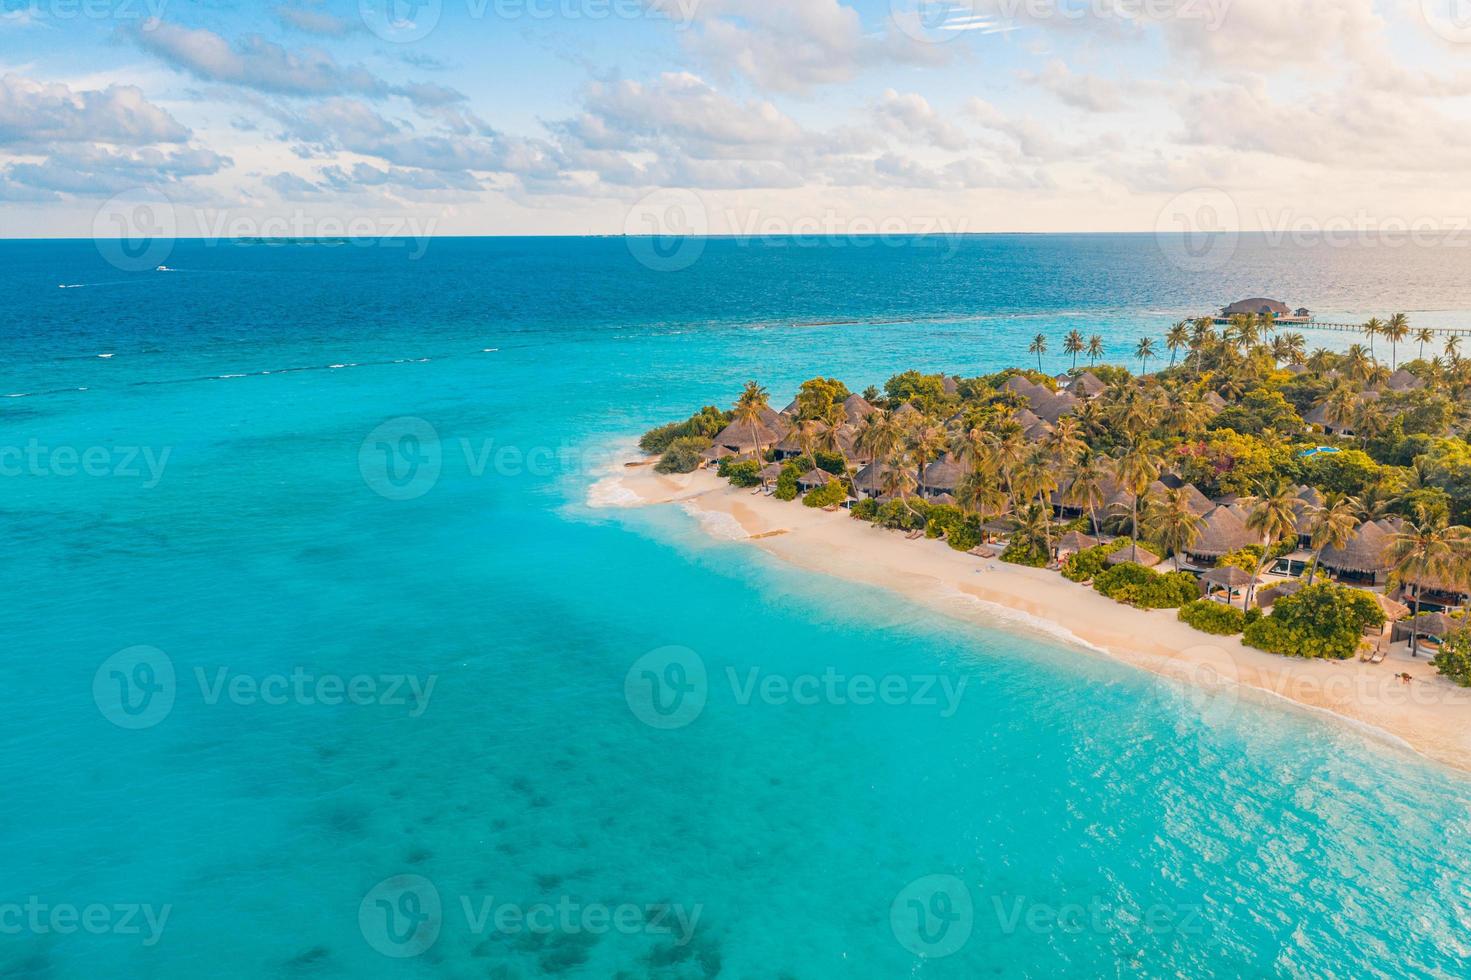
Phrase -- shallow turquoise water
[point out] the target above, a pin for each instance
(1256, 840)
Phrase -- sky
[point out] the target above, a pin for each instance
(749, 117)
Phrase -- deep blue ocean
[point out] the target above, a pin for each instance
(320, 665)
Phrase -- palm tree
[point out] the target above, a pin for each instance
(1178, 337)
(1342, 404)
(752, 404)
(1066, 440)
(1034, 530)
(1373, 329)
(1425, 550)
(897, 479)
(1333, 526)
(1424, 336)
(1274, 517)
(1144, 352)
(1356, 363)
(879, 435)
(979, 492)
(1297, 347)
(1073, 344)
(1095, 350)
(1397, 329)
(1453, 348)
(1086, 484)
(926, 444)
(1136, 470)
(1172, 522)
(1038, 347)
(809, 433)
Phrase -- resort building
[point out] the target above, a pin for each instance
(1221, 532)
(1364, 560)
(1260, 306)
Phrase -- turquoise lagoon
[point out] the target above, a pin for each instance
(1071, 816)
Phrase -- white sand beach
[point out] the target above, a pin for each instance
(1429, 714)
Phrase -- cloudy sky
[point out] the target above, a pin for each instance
(586, 116)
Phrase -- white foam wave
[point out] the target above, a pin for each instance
(716, 524)
(611, 492)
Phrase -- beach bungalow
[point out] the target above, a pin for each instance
(1436, 594)
(789, 447)
(713, 455)
(1403, 380)
(908, 414)
(1142, 556)
(943, 476)
(1226, 583)
(1364, 561)
(1221, 532)
(813, 479)
(771, 472)
(1073, 542)
(1020, 386)
(870, 480)
(1257, 306)
(950, 385)
(1321, 418)
(857, 408)
(1051, 407)
(1427, 630)
(1087, 386)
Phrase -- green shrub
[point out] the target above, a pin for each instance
(1213, 617)
(1322, 621)
(834, 463)
(1017, 553)
(1135, 585)
(786, 484)
(682, 455)
(966, 535)
(742, 473)
(1085, 565)
(1454, 658)
(898, 515)
(1246, 559)
(706, 424)
(866, 509)
(827, 495)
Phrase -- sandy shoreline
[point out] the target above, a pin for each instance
(1430, 715)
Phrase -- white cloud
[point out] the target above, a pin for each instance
(52, 112)
(911, 116)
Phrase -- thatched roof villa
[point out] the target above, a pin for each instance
(1221, 532)
(1364, 560)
